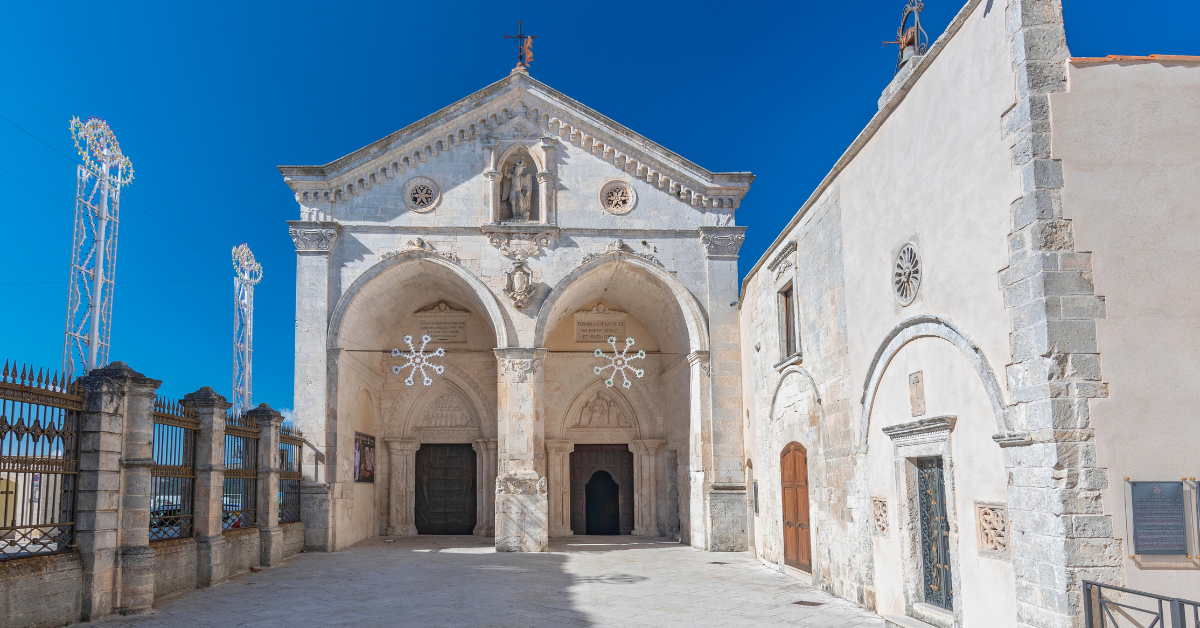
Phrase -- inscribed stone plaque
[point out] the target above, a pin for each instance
(598, 323)
(444, 323)
(916, 392)
(1158, 518)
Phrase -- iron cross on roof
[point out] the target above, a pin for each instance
(524, 46)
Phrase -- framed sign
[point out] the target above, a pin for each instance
(364, 457)
(1158, 518)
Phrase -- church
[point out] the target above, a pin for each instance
(957, 387)
(462, 282)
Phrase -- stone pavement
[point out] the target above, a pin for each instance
(462, 581)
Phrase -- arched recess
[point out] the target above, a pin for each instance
(522, 148)
(466, 428)
(933, 326)
(667, 309)
(796, 371)
(373, 303)
(566, 427)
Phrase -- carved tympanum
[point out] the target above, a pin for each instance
(601, 411)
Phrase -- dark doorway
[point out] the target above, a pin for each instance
(603, 504)
(445, 489)
(617, 462)
(797, 539)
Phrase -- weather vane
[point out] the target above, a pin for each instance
(524, 47)
(911, 38)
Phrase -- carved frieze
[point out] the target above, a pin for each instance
(722, 244)
(521, 245)
(518, 485)
(318, 239)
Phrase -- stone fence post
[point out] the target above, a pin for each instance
(114, 501)
(210, 408)
(269, 530)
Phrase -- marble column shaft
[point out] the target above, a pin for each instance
(558, 475)
(645, 486)
(485, 474)
(402, 505)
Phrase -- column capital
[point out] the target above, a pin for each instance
(313, 236)
(484, 445)
(401, 445)
(647, 447)
(722, 242)
(560, 446)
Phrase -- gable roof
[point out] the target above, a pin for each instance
(517, 95)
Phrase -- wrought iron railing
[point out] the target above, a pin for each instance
(240, 494)
(1106, 606)
(173, 477)
(291, 447)
(39, 461)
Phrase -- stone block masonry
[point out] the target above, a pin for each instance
(42, 591)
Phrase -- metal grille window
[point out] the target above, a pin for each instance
(39, 460)
(240, 497)
(174, 473)
(935, 533)
(291, 443)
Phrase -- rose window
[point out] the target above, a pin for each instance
(617, 197)
(421, 195)
(906, 278)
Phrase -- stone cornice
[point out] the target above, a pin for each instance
(920, 427)
(481, 113)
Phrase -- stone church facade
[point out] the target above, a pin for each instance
(520, 229)
(978, 335)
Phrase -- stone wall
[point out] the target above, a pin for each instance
(174, 566)
(40, 592)
(293, 538)
(241, 550)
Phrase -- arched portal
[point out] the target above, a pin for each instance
(603, 498)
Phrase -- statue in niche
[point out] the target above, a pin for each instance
(518, 190)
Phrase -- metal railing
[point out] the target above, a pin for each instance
(291, 447)
(240, 495)
(1106, 606)
(39, 461)
(173, 477)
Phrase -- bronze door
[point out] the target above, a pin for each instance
(797, 544)
(586, 460)
(445, 489)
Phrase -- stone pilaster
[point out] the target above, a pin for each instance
(645, 486)
(113, 514)
(1059, 532)
(522, 509)
(485, 469)
(210, 409)
(725, 480)
(558, 474)
(402, 503)
(269, 531)
(699, 454)
(316, 511)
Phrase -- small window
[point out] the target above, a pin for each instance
(788, 340)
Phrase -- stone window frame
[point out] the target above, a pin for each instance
(787, 358)
(924, 438)
(914, 241)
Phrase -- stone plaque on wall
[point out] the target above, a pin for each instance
(444, 323)
(1159, 525)
(916, 392)
(598, 323)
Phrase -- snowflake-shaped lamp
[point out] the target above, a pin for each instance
(418, 360)
(619, 362)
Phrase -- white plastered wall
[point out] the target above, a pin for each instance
(1127, 134)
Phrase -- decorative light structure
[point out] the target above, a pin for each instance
(619, 362)
(247, 274)
(98, 182)
(418, 360)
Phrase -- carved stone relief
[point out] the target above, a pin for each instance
(601, 411)
(312, 239)
(516, 485)
(519, 188)
(419, 244)
(448, 409)
(879, 522)
(519, 284)
(519, 371)
(521, 245)
(991, 518)
(722, 245)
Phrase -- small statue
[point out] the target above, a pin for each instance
(518, 190)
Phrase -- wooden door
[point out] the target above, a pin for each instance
(586, 460)
(797, 542)
(445, 500)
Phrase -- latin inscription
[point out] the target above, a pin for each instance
(598, 324)
(444, 324)
(1158, 518)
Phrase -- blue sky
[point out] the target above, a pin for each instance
(207, 99)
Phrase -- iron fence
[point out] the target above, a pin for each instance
(1106, 606)
(172, 505)
(291, 447)
(39, 461)
(240, 494)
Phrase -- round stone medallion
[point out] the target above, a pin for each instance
(906, 275)
(421, 194)
(617, 197)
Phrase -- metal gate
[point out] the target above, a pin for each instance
(935, 533)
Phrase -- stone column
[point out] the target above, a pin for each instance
(210, 408)
(699, 451)
(559, 476)
(485, 486)
(316, 511)
(546, 181)
(402, 504)
(113, 512)
(725, 475)
(270, 533)
(314, 241)
(521, 502)
(645, 486)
